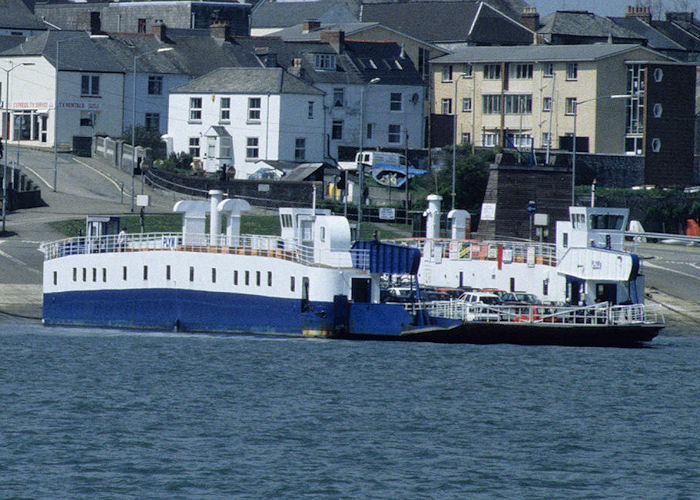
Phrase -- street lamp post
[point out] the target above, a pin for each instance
(133, 121)
(7, 132)
(454, 145)
(360, 169)
(573, 152)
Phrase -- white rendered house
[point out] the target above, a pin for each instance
(263, 113)
(89, 85)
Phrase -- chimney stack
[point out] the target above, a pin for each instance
(530, 18)
(158, 29)
(335, 38)
(220, 30)
(310, 25)
(641, 13)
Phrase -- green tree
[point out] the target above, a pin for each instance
(147, 138)
(471, 177)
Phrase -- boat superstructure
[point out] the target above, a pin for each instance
(587, 265)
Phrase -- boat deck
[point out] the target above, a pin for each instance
(602, 314)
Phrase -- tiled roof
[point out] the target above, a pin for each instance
(14, 14)
(296, 33)
(511, 8)
(77, 52)
(436, 21)
(529, 53)
(268, 14)
(247, 81)
(655, 38)
(583, 23)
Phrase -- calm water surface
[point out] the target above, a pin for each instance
(100, 413)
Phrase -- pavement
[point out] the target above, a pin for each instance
(90, 186)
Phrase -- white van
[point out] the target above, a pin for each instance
(388, 169)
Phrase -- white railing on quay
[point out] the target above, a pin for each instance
(529, 252)
(251, 245)
(597, 314)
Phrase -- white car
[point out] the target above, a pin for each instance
(480, 306)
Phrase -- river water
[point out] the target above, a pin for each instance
(102, 413)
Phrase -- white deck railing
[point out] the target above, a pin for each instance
(255, 245)
(598, 314)
(511, 251)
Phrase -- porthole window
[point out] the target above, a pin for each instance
(658, 110)
(124, 273)
(55, 278)
(656, 145)
(235, 277)
(145, 272)
(213, 275)
(191, 273)
(658, 75)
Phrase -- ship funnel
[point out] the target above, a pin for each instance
(461, 224)
(233, 208)
(432, 214)
(215, 197)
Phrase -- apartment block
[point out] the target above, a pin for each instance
(607, 96)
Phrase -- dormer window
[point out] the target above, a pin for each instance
(325, 62)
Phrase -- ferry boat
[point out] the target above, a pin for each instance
(590, 290)
(308, 281)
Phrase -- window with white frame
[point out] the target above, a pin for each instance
(396, 101)
(152, 121)
(194, 147)
(337, 130)
(87, 119)
(90, 85)
(572, 71)
(516, 104)
(325, 62)
(447, 73)
(570, 106)
(300, 149)
(467, 105)
(225, 109)
(521, 71)
(548, 70)
(254, 104)
(519, 140)
(447, 106)
(310, 112)
(195, 108)
(338, 97)
(155, 85)
(492, 71)
(492, 104)
(394, 134)
(466, 138)
(489, 139)
(547, 104)
(546, 139)
(252, 149)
